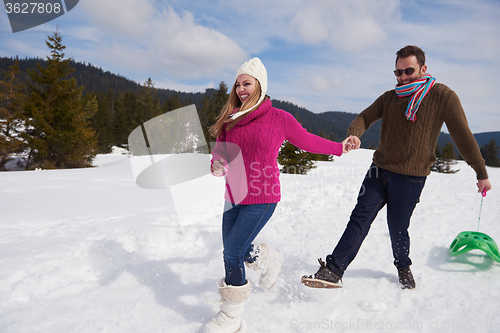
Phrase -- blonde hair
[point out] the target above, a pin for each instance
(234, 102)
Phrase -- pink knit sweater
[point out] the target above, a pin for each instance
(250, 151)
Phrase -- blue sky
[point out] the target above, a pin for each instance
(322, 55)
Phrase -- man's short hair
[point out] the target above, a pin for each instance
(410, 50)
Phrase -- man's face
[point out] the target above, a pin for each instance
(409, 62)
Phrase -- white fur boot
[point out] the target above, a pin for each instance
(229, 320)
(270, 262)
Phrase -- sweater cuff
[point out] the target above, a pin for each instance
(481, 172)
(338, 149)
(354, 132)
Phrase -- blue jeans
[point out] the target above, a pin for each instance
(240, 225)
(401, 193)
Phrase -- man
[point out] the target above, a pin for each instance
(412, 116)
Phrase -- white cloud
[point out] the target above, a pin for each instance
(128, 18)
(143, 37)
(21, 47)
(345, 25)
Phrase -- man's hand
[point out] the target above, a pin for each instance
(352, 142)
(482, 185)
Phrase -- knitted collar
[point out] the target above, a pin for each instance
(262, 109)
(417, 90)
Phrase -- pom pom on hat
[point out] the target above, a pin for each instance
(256, 69)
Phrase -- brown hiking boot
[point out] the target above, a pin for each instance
(406, 279)
(324, 278)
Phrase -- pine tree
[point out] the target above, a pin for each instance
(294, 160)
(445, 159)
(148, 101)
(172, 103)
(490, 153)
(58, 115)
(211, 109)
(127, 116)
(220, 97)
(12, 97)
(102, 121)
(448, 152)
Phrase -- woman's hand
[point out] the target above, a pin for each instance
(217, 167)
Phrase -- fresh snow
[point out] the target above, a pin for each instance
(87, 250)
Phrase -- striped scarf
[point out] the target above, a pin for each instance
(417, 90)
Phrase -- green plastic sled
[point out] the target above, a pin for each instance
(474, 240)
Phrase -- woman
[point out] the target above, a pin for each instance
(249, 134)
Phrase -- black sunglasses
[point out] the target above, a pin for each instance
(407, 71)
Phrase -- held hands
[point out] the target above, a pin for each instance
(352, 142)
(217, 167)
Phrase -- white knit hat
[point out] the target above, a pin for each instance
(256, 69)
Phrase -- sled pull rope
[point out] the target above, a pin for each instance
(480, 208)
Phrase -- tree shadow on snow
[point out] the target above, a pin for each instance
(474, 261)
(110, 259)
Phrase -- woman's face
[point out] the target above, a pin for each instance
(245, 86)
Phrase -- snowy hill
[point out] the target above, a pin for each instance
(89, 251)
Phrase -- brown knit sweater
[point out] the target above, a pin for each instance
(407, 147)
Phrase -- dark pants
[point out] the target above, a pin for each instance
(401, 193)
(240, 225)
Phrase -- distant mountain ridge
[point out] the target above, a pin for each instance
(481, 139)
(326, 123)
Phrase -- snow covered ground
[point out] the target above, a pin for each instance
(89, 251)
